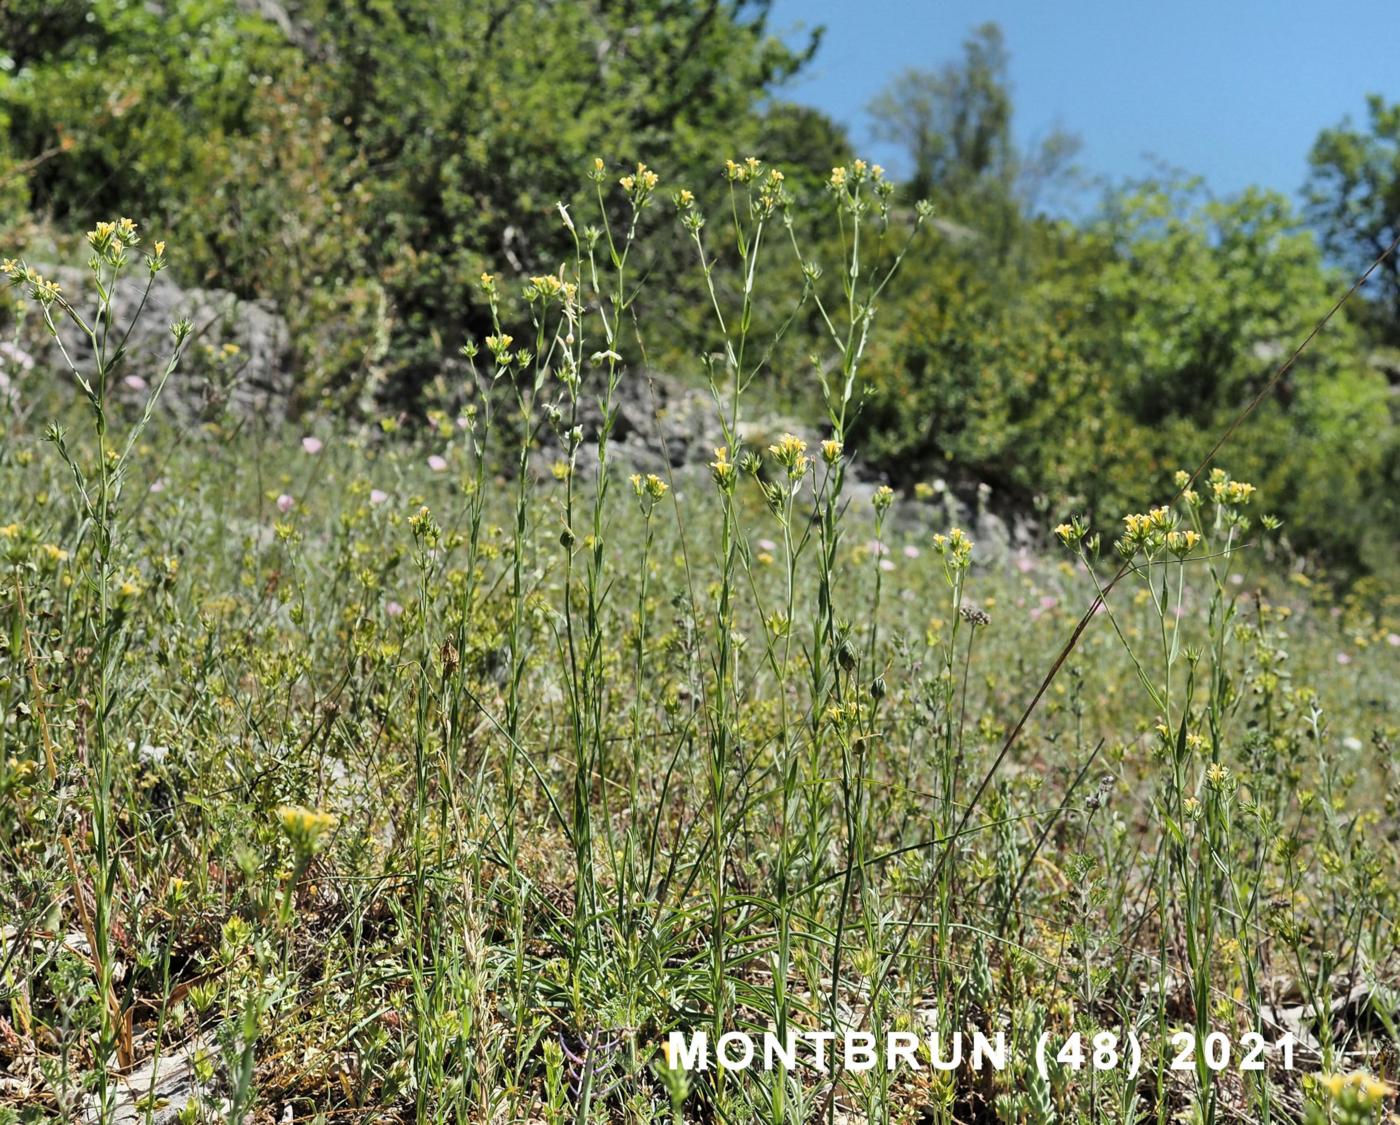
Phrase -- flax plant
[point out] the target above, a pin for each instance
(97, 495)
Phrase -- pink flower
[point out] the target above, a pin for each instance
(312, 444)
(285, 503)
(885, 564)
(767, 545)
(437, 463)
(393, 609)
(1237, 580)
(16, 355)
(875, 547)
(911, 552)
(463, 422)
(135, 382)
(1393, 640)
(377, 496)
(1048, 602)
(158, 485)
(1024, 563)
(1344, 658)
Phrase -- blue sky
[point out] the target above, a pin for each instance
(1234, 90)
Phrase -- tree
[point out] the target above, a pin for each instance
(1353, 198)
(362, 162)
(955, 122)
(955, 125)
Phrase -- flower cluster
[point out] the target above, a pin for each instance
(790, 452)
(499, 347)
(1146, 532)
(1353, 1099)
(743, 173)
(648, 490)
(1227, 492)
(725, 472)
(845, 181)
(110, 241)
(305, 828)
(41, 289)
(548, 287)
(955, 549)
(639, 185)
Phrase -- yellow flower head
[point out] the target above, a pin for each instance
(305, 827)
(723, 469)
(790, 451)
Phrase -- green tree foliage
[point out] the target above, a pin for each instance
(1353, 197)
(954, 124)
(364, 163)
(1125, 351)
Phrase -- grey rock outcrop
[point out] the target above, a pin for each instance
(239, 355)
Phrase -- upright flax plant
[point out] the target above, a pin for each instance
(98, 493)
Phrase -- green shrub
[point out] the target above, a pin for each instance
(1118, 351)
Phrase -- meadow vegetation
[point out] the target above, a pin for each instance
(438, 775)
(360, 165)
(435, 751)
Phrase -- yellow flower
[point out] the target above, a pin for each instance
(305, 827)
(831, 451)
(790, 451)
(1357, 1090)
(1180, 543)
(838, 177)
(955, 547)
(723, 469)
(55, 554)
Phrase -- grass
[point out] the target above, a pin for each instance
(438, 775)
